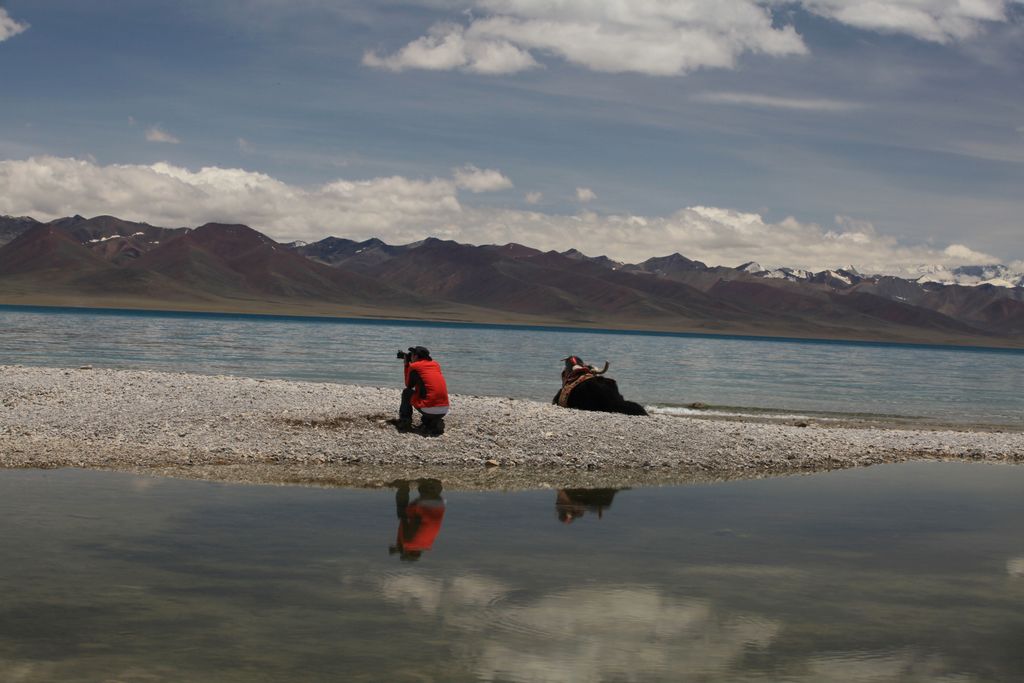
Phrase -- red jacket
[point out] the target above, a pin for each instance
(436, 389)
(421, 525)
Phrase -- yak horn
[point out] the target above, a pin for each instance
(602, 370)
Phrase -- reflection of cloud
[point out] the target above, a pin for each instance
(439, 595)
(476, 590)
(16, 672)
(1015, 567)
(414, 591)
(592, 634)
(745, 571)
(603, 633)
(142, 483)
(71, 669)
(871, 667)
(595, 634)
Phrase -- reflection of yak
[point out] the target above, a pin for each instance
(585, 388)
(571, 504)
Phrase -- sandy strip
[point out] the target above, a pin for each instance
(240, 429)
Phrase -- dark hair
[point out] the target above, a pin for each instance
(422, 352)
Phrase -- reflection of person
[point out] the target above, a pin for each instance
(571, 504)
(419, 522)
(425, 390)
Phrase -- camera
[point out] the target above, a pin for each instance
(419, 352)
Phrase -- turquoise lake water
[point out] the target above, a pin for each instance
(890, 574)
(946, 384)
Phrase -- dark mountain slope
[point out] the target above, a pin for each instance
(523, 280)
(1003, 316)
(899, 313)
(476, 276)
(47, 260)
(666, 266)
(12, 226)
(48, 249)
(114, 239)
(238, 262)
(337, 251)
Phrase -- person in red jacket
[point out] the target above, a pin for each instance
(425, 390)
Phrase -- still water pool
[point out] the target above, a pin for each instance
(910, 572)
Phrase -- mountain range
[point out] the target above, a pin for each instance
(105, 261)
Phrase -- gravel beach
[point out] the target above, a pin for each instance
(276, 431)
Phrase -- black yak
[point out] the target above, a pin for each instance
(585, 388)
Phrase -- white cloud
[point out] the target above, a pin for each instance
(448, 46)
(663, 37)
(9, 27)
(401, 210)
(940, 21)
(717, 236)
(157, 134)
(481, 180)
(658, 37)
(444, 48)
(534, 197)
(394, 208)
(774, 102)
(964, 254)
(585, 194)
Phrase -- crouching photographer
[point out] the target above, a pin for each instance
(425, 390)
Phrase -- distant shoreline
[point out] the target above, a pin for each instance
(241, 429)
(128, 310)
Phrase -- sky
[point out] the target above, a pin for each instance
(814, 133)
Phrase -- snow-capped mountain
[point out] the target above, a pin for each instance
(840, 278)
(970, 276)
(996, 275)
(791, 274)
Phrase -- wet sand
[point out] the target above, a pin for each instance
(276, 431)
